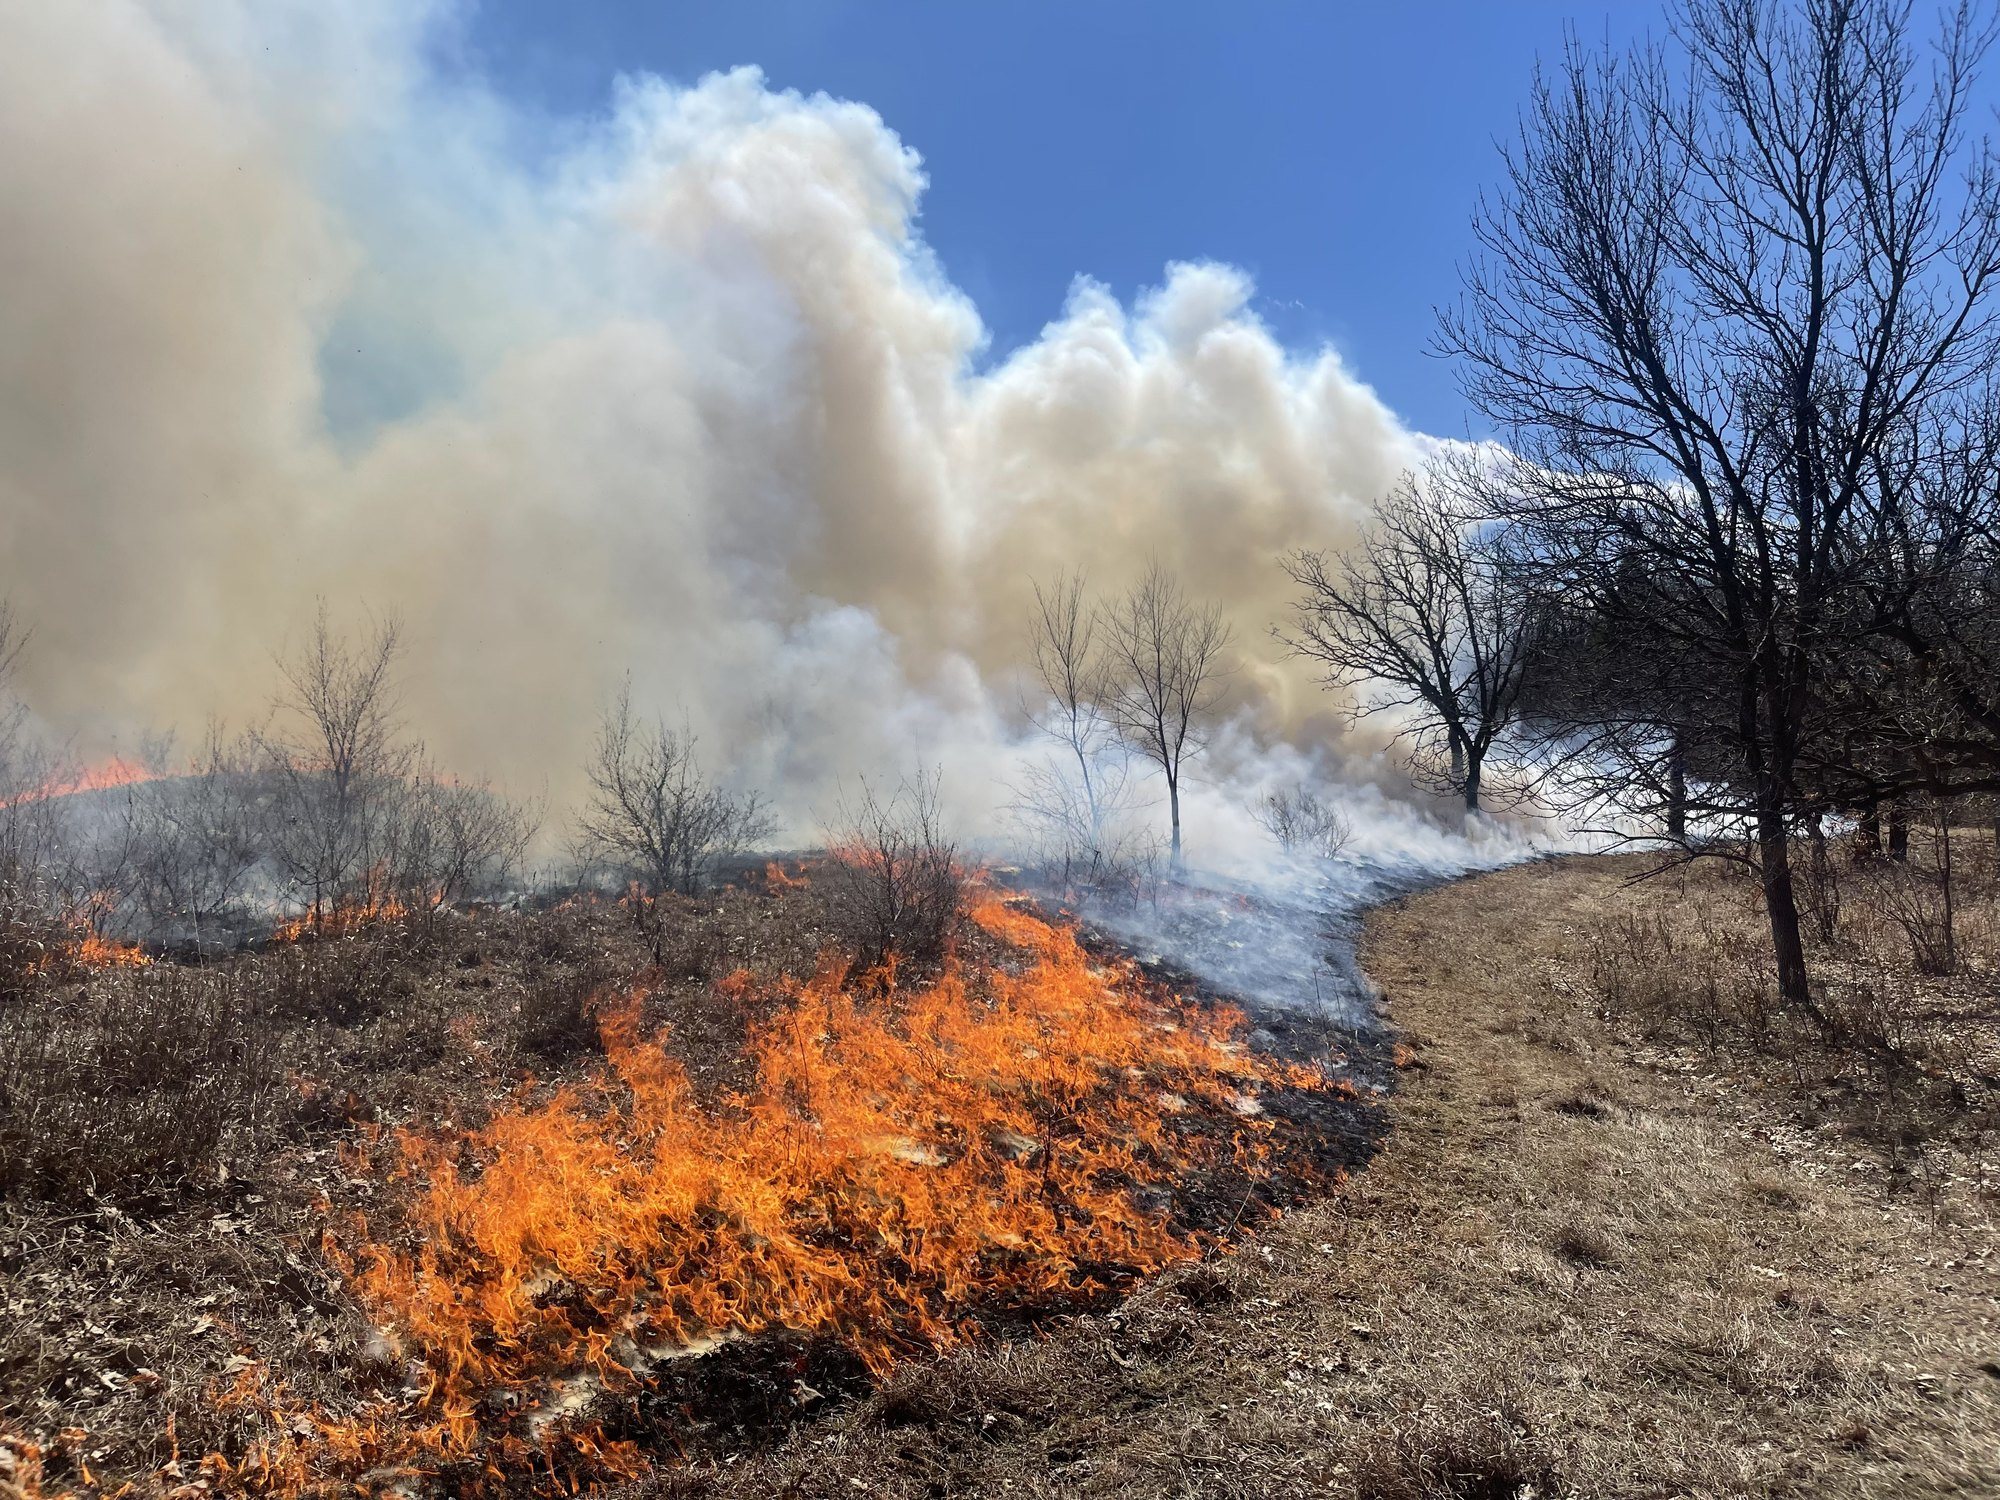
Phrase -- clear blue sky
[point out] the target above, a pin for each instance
(1334, 149)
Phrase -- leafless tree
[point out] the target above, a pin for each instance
(655, 812)
(1077, 800)
(337, 763)
(198, 838)
(1733, 313)
(1423, 617)
(1303, 822)
(892, 876)
(1165, 676)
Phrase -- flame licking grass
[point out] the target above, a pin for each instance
(908, 1165)
(84, 948)
(99, 776)
(376, 904)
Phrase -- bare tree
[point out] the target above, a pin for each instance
(1733, 312)
(655, 812)
(1422, 617)
(337, 763)
(1079, 796)
(1165, 676)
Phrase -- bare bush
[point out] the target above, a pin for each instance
(893, 883)
(107, 1091)
(557, 1018)
(1303, 822)
(343, 983)
(449, 840)
(356, 813)
(1710, 978)
(1917, 892)
(654, 812)
(197, 839)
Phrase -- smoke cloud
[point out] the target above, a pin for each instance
(677, 390)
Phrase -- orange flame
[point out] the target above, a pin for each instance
(86, 948)
(112, 772)
(904, 1164)
(375, 905)
(779, 880)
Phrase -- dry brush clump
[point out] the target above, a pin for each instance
(117, 1088)
(892, 879)
(1689, 960)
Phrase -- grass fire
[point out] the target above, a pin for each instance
(647, 853)
(904, 1167)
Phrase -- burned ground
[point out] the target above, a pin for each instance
(202, 1326)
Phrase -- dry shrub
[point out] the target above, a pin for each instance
(687, 937)
(557, 1018)
(893, 884)
(344, 980)
(1920, 904)
(36, 929)
(1669, 972)
(1890, 1034)
(108, 1090)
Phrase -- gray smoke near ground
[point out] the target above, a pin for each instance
(678, 390)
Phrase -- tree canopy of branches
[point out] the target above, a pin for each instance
(655, 812)
(1423, 617)
(1733, 313)
(1165, 676)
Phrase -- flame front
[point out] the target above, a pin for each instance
(904, 1164)
(375, 904)
(100, 776)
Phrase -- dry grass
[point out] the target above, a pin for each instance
(1586, 1262)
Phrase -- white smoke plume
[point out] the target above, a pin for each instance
(678, 390)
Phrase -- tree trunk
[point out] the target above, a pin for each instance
(1899, 832)
(1781, 903)
(1174, 807)
(1944, 876)
(1475, 762)
(1677, 792)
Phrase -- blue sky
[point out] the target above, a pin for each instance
(1334, 149)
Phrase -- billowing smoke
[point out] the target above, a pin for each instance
(678, 390)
